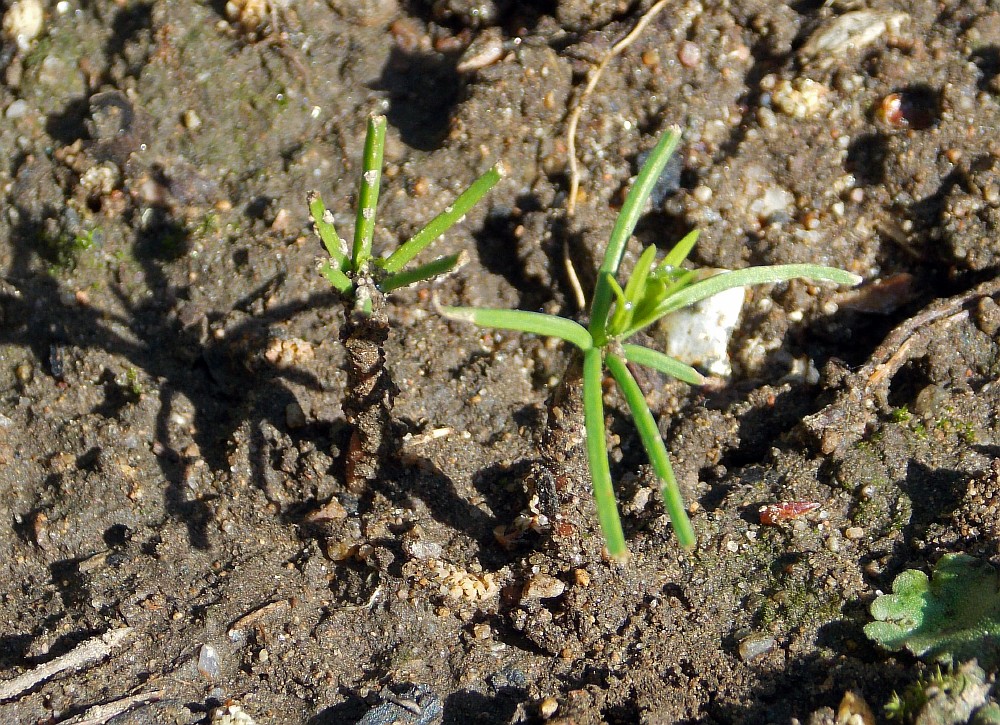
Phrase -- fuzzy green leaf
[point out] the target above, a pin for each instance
(952, 617)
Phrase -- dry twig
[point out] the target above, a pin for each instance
(85, 653)
(573, 120)
(100, 714)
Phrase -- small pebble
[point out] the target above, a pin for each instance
(17, 109)
(689, 54)
(754, 646)
(208, 662)
(191, 120)
(702, 194)
(23, 21)
(547, 707)
(25, 372)
(543, 586)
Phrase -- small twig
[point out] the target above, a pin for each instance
(594, 76)
(100, 714)
(251, 617)
(573, 278)
(411, 441)
(85, 653)
(573, 121)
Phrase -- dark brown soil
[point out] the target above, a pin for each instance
(171, 369)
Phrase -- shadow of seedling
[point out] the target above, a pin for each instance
(211, 372)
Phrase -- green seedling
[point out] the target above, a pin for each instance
(951, 617)
(946, 695)
(654, 289)
(351, 270)
(363, 281)
(65, 250)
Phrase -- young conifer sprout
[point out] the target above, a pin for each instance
(654, 289)
(363, 282)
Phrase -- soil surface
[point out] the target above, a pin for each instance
(171, 374)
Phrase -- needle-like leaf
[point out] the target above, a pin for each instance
(323, 223)
(740, 278)
(664, 363)
(441, 265)
(340, 281)
(443, 221)
(680, 251)
(597, 456)
(522, 321)
(622, 232)
(655, 450)
(371, 177)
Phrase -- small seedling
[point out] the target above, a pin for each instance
(950, 617)
(953, 694)
(65, 250)
(653, 290)
(352, 271)
(363, 281)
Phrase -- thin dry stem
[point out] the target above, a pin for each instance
(100, 714)
(594, 76)
(573, 121)
(85, 653)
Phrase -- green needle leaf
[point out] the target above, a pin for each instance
(622, 232)
(323, 224)
(623, 308)
(676, 256)
(439, 266)
(637, 281)
(371, 178)
(340, 281)
(443, 221)
(522, 321)
(741, 278)
(597, 456)
(655, 450)
(664, 363)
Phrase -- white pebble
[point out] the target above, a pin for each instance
(702, 194)
(17, 109)
(23, 21)
(208, 662)
(699, 335)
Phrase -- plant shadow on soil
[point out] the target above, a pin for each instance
(210, 373)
